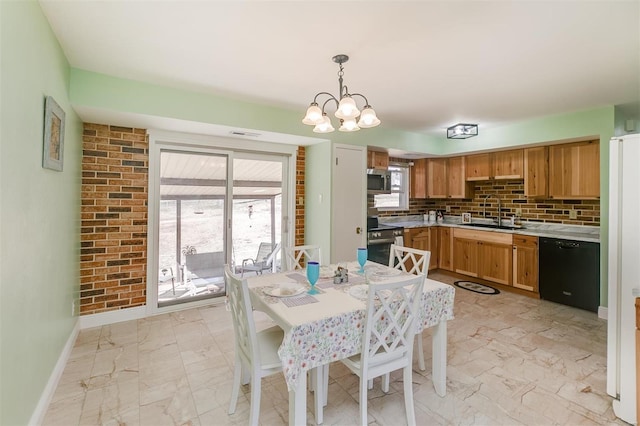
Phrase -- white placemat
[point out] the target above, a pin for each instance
(299, 301)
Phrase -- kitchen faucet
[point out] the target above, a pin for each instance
(484, 208)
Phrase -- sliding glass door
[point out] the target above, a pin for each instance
(192, 233)
(215, 208)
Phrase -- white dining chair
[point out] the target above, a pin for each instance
(296, 257)
(387, 341)
(256, 351)
(413, 261)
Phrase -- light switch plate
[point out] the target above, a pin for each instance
(518, 212)
(573, 214)
(447, 209)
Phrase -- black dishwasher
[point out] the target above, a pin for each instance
(569, 272)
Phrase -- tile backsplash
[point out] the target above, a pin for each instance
(511, 192)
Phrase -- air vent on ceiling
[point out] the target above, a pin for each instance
(239, 133)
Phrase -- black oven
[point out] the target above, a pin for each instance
(379, 240)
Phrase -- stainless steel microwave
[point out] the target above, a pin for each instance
(378, 181)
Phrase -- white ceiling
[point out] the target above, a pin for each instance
(423, 65)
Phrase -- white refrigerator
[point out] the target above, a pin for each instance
(624, 273)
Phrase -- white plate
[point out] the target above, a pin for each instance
(277, 292)
(387, 272)
(359, 291)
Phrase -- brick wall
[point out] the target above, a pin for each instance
(299, 195)
(113, 258)
(512, 194)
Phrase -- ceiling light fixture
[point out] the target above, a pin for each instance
(347, 110)
(462, 131)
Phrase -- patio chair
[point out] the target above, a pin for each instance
(297, 257)
(413, 261)
(263, 261)
(387, 341)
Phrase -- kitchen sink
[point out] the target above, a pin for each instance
(492, 226)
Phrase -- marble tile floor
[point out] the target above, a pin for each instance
(512, 360)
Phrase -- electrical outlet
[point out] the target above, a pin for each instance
(573, 214)
(518, 212)
(447, 209)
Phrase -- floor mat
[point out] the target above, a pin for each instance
(476, 287)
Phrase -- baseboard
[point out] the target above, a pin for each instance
(111, 317)
(603, 312)
(37, 417)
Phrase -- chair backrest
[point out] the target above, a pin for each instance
(392, 312)
(298, 256)
(241, 312)
(409, 260)
(271, 257)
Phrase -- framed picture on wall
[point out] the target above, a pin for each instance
(53, 149)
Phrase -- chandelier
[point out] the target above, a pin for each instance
(347, 110)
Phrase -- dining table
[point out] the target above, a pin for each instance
(327, 327)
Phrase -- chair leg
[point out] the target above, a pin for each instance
(407, 378)
(256, 385)
(235, 390)
(385, 383)
(420, 352)
(363, 401)
(370, 384)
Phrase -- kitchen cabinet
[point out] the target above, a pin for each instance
(536, 171)
(457, 184)
(525, 262)
(445, 248)
(495, 165)
(424, 238)
(508, 164)
(377, 160)
(418, 182)
(482, 254)
(446, 178)
(574, 170)
(437, 178)
(478, 167)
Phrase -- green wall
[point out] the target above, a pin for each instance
(39, 212)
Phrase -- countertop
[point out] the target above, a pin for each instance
(537, 229)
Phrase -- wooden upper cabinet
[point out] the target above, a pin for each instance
(495, 165)
(508, 164)
(536, 172)
(457, 184)
(377, 160)
(418, 182)
(478, 167)
(574, 170)
(437, 177)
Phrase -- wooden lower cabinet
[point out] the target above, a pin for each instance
(424, 239)
(482, 254)
(525, 262)
(465, 255)
(445, 248)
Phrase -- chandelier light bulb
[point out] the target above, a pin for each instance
(324, 126)
(347, 108)
(368, 118)
(313, 115)
(349, 125)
